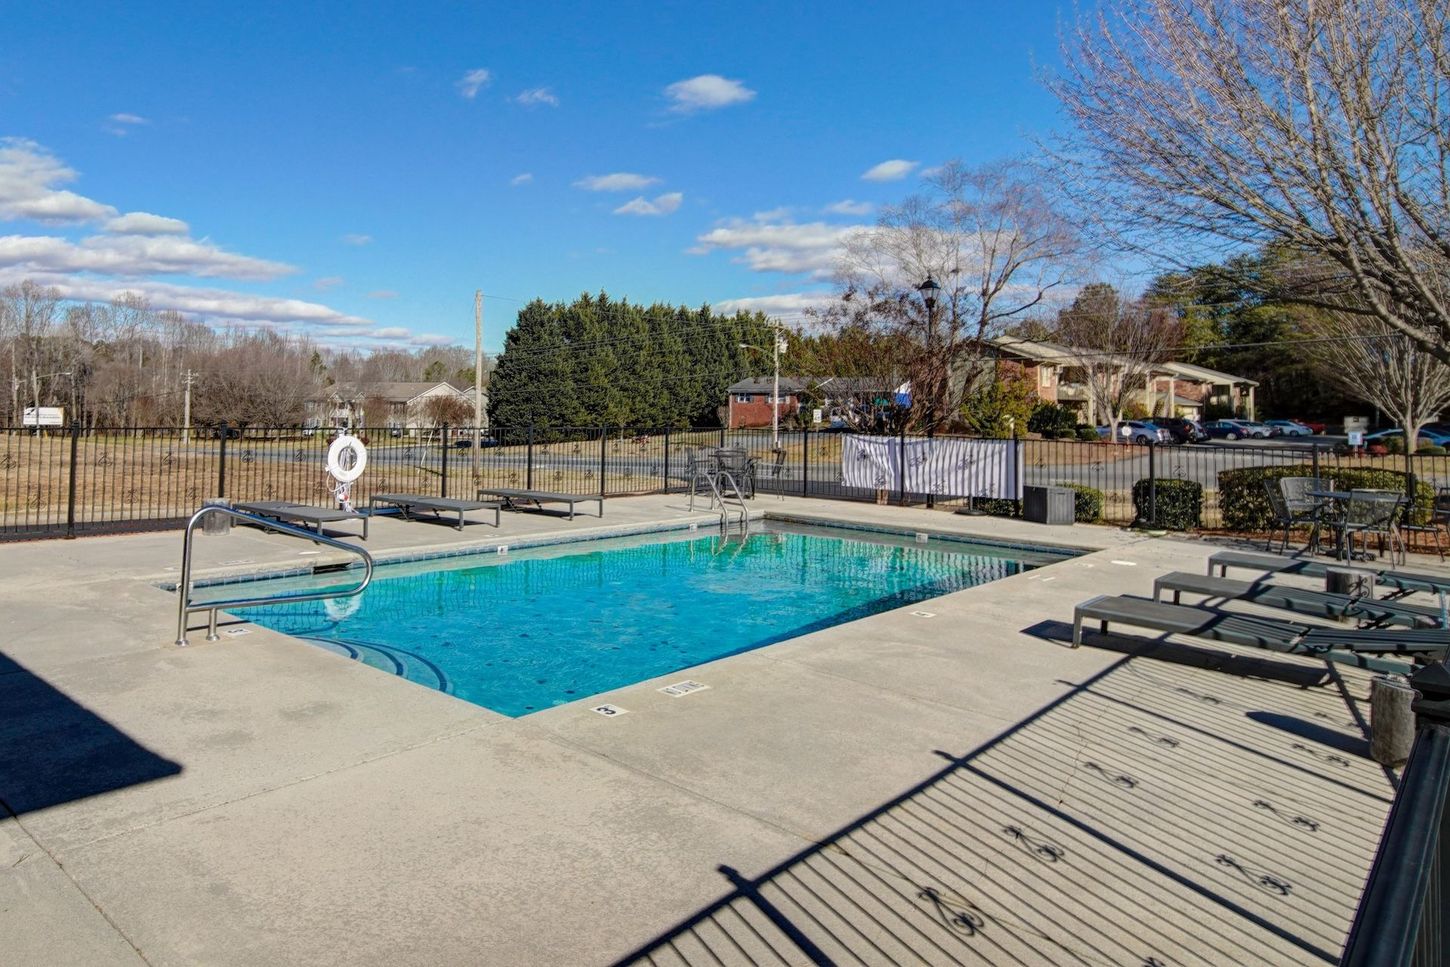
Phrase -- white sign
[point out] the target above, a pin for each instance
(944, 467)
(45, 416)
(1356, 438)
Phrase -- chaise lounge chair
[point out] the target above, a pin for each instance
(304, 514)
(1360, 648)
(513, 498)
(408, 504)
(1403, 582)
(1299, 600)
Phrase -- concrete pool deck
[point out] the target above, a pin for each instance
(954, 788)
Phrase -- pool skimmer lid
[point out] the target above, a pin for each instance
(679, 689)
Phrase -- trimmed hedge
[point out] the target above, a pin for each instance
(1177, 504)
(1087, 502)
(1088, 434)
(1245, 507)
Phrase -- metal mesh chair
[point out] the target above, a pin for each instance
(1438, 524)
(1302, 508)
(1372, 512)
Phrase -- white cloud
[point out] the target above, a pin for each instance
(382, 294)
(327, 282)
(145, 223)
(662, 205)
(432, 339)
(389, 332)
(133, 255)
(814, 248)
(29, 175)
(473, 81)
(787, 306)
(216, 305)
(893, 170)
(535, 96)
(705, 93)
(124, 118)
(848, 207)
(618, 181)
(773, 215)
(354, 239)
(522, 179)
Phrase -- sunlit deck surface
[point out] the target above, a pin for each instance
(952, 788)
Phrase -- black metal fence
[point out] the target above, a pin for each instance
(1401, 916)
(73, 480)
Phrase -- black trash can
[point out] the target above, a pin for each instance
(1047, 505)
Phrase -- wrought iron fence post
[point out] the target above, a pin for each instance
(901, 467)
(1016, 462)
(666, 488)
(1314, 458)
(603, 456)
(930, 434)
(805, 463)
(70, 503)
(529, 462)
(443, 472)
(1152, 484)
(221, 464)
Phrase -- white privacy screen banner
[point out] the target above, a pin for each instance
(945, 467)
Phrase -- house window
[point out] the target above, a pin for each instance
(744, 398)
(1044, 375)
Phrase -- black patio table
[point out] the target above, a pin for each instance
(1342, 497)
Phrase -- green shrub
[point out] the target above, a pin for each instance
(1088, 434)
(1245, 507)
(1052, 420)
(1431, 450)
(1178, 504)
(1087, 502)
(995, 506)
(1393, 444)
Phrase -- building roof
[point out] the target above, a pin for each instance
(1203, 374)
(766, 384)
(828, 385)
(393, 392)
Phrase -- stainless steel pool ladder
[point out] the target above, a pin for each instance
(186, 607)
(725, 488)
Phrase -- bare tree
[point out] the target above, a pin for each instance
(1378, 364)
(1323, 127)
(1116, 345)
(996, 246)
(454, 410)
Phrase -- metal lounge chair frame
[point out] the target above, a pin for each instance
(514, 499)
(409, 503)
(304, 514)
(1298, 600)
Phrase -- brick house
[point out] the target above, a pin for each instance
(750, 400)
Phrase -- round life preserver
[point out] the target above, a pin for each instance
(334, 458)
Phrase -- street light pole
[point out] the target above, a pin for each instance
(775, 393)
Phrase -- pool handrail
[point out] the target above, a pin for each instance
(186, 607)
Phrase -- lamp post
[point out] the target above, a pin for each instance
(930, 292)
(777, 345)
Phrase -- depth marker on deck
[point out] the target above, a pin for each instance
(234, 632)
(609, 710)
(679, 689)
(923, 614)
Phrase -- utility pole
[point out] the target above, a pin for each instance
(186, 409)
(477, 379)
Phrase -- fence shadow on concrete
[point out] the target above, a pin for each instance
(1149, 817)
(54, 750)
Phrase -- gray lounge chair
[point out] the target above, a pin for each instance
(304, 514)
(437, 506)
(512, 499)
(1299, 600)
(1253, 632)
(1403, 581)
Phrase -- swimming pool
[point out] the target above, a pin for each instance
(529, 630)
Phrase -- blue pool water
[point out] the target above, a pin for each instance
(522, 632)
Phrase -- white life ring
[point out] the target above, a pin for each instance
(341, 474)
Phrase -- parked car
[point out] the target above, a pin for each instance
(466, 443)
(1143, 431)
(1182, 429)
(1252, 429)
(1290, 427)
(1427, 435)
(1226, 430)
(227, 431)
(1315, 426)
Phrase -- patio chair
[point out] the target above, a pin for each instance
(740, 466)
(1372, 512)
(699, 471)
(1284, 519)
(1302, 508)
(1438, 524)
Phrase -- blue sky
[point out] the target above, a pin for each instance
(355, 171)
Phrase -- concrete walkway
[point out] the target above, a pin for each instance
(958, 787)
